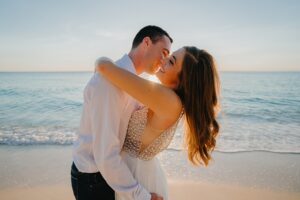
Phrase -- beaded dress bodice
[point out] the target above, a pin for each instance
(136, 127)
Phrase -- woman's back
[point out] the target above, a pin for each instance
(144, 142)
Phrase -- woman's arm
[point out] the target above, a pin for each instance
(162, 100)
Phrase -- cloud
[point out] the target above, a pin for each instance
(116, 34)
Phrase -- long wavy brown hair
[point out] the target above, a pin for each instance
(198, 90)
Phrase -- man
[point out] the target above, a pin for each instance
(98, 169)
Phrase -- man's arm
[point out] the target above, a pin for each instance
(106, 108)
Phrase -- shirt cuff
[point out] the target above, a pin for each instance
(144, 195)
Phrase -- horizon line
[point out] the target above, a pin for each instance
(92, 71)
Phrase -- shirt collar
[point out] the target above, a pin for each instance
(126, 63)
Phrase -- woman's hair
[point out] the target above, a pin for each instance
(198, 90)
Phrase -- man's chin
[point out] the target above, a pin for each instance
(157, 71)
(152, 71)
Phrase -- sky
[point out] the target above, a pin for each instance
(242, 35)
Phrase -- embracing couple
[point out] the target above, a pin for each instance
(127, 120)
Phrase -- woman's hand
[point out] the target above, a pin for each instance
(102, 63)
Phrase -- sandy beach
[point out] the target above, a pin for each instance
(42, 172)
(178, 191)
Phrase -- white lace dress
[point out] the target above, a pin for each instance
(144, 166)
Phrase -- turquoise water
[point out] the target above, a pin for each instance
(260, 111)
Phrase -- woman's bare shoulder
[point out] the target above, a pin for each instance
(171, 115)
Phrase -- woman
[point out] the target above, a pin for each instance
(189, 87)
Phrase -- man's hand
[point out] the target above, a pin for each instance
(154, 196)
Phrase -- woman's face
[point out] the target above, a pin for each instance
(171, 67)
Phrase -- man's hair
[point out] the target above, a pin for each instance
(154, 32)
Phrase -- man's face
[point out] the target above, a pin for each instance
(155, 54)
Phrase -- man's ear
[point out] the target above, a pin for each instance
(147, 41)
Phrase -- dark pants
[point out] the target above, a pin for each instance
(90, 186)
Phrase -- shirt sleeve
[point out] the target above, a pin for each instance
(107, 104)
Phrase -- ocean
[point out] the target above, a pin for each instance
(260, 110)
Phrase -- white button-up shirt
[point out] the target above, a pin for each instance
(105, 116)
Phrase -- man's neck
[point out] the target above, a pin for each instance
(136, 59)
